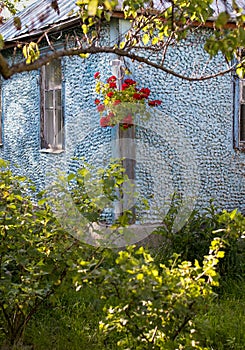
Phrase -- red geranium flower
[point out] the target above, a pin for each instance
(111, 115)
(97, 75)
(137, 96)
(110, 94)
(145, 92)
(124, 86)
(111, 79)
(116, 102)
(154, 103)
(113, 96)
(128, 120)
(100, 108)
(129, 81)
(113, 85)
(105, 121)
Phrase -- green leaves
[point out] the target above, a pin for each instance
(17, 23)
(145, 38)
(94, 190)
(222, 20)
(31, 52)
(92, 7)
(147, 302)
(240, 69)
(32, 250)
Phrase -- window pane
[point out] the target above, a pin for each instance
(49, 128)
(58, 128)
(243, 91)
(242, 123)
(58, 99)
(53, 74)
(48, 99)
(52, 118)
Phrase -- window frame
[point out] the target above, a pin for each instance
(55, 146)
(239, 84)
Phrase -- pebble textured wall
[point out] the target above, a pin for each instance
(186, 146)
(198, 115)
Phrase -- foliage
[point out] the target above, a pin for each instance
(31, 52)
(94, 191)
(71, 321)
(10, 6)
(151, 306)
(35, 253)
(193, 239)
(221, 326)
(68, 323)
(148, 304)
(152, 33)
(122, 99)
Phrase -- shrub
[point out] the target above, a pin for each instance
(35, 253)
(149, 305)
(194, 238)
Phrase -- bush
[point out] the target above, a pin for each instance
(151, 306)
(193, 240)
(35, 253)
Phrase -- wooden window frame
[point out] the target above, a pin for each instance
(52, 140)
(239, 101)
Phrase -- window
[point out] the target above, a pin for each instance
(52, 121)
(239, 114)
(241, 121)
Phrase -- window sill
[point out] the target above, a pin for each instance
(50, 150)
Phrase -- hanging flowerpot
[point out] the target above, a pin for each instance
(117, 104)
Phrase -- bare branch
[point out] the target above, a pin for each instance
(8, 71)
(4, 67)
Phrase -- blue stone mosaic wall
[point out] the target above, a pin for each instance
(186, 145)
(193, 128)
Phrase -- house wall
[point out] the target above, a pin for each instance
(186, 145)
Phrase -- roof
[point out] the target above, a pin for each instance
(40, 15)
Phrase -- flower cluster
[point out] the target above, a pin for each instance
(119, 102)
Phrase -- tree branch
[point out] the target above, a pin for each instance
(4, 67)
(8, 71)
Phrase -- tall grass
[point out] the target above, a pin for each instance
(71, 323)
(222, 327)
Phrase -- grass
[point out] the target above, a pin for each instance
(71, 322)
(222, 327)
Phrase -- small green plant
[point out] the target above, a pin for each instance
(95, 190)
